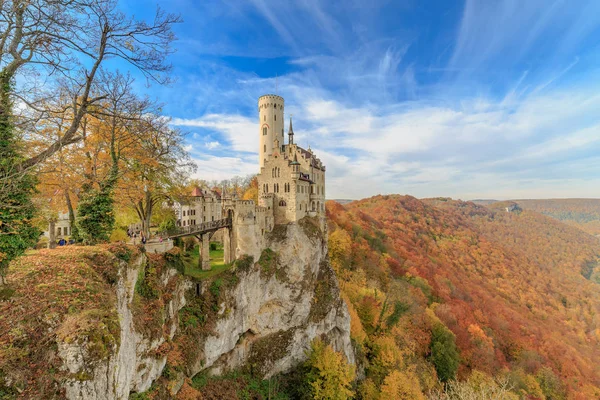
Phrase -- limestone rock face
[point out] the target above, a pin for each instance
(133, 364)
(262, 313)
(279, 305)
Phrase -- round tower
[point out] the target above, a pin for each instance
(270, 114)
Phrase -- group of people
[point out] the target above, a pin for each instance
(134, 234)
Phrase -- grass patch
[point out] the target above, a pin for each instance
(190, 260)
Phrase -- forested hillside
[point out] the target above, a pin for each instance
(582, 213)
(442, 289)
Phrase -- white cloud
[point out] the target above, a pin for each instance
(241, 132)
(219, 168)
(212, 145)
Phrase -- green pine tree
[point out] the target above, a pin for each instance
(16, 188)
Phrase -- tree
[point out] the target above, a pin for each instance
(444, 355)
(16, 208)
(401, 386)
(60, 46)
(251, 192)
(329, 375)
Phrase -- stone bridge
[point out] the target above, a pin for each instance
(204, 232)
(198, 230)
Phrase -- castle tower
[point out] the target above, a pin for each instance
(270, 114)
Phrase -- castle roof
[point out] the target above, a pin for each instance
(295, 162)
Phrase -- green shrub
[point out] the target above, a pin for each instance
(444, 355)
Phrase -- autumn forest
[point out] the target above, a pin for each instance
(442, 289)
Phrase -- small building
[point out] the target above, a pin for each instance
(61, 227)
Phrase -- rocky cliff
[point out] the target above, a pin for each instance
(105, 322)
(269, 310)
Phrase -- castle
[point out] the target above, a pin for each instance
(291, 180)
(291, 186)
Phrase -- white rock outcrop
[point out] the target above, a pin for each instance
(134, 366)
(270, 318)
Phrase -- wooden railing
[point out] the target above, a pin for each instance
(204, 227)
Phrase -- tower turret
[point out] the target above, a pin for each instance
(270, 114)
(291, 133)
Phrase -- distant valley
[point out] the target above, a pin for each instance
(581, 213)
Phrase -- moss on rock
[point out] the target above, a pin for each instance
(325, 293)
(268, 349)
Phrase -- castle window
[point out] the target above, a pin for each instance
(282, 203)
(265, 148)
(274, 105)
(58, 232)
(264, 130)
(265, 118)
(275, 117)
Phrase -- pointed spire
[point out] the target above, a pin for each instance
(291, 132)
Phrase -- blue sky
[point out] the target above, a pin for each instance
(475, 99)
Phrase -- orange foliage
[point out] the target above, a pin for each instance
(513, 287)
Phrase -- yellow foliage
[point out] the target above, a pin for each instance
(251, 194)
(388, 354)
(330, 376)
(401, 386)
(118, 235)
(368, 390)
(340, 246)
(357, 331)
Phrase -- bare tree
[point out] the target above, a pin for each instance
(65, 43)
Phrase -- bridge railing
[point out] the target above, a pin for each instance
(197, 229)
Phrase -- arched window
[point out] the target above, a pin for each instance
(313, 206)
(264, 130)
(282, 203)
(267, 188)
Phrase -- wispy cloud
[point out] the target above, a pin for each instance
(485, 99)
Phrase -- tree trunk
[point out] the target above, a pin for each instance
(52, 235)
(73, 228)
(148, 214)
